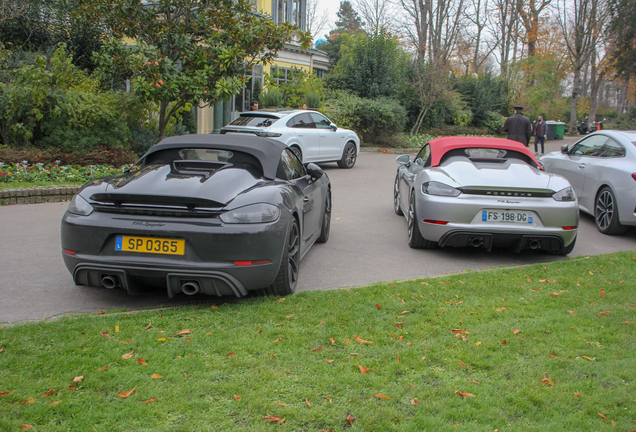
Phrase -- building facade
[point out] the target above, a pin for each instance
(292, 57)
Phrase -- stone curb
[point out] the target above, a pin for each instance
(37, 195)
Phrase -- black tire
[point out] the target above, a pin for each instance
(287, 277)
(348, 156)
(565, 251)
(298, 152)
(326, 220)
(606, 213)
(416, 241)
(396, 197)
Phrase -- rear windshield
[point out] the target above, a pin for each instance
(253, 121)
(476, 154)
(215, 158)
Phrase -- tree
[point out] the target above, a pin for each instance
(349, 21)
(376, 13)
(530, 11)
(431, 83)
(623, 31)
(184, 51)
(10, 9)
(315, 22)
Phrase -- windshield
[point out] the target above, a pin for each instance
(253, 121)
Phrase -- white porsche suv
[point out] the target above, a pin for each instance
(311, 135)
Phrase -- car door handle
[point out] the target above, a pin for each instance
(581, 166)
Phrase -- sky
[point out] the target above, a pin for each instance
(331, 6)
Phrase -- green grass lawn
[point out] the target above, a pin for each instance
(541, 348)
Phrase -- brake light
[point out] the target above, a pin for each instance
(251, 263)
(634, 176)
(436, 222)
(69, 252)
(569, 228)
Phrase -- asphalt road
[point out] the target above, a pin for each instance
(367, 244)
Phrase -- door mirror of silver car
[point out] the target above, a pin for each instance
(314, 171)
(403, 159)
(333, 127)
(564, 149)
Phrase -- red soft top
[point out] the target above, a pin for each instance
(440, 146)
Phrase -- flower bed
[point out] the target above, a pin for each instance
(23, 172)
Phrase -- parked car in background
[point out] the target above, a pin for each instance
(602, 170)
(212, 214)
(484, 192)
(311, 135)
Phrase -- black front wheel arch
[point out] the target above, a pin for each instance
(287, 276)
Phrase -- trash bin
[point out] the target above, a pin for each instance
(559, 131)
(551, 130)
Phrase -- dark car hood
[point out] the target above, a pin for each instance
(221, 187)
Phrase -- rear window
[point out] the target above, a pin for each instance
(182, 159)
(253, 121)
(477, 154)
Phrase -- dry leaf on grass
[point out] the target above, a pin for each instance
(378, 306)
(554, 295)
(547, 381)
(603, 416)
(307, 402)
(278, 340)
(280, 300)
(128, 355)
(78, 379)
(350, 419)
(48, 393)
(162, 339)
(182, 332)
(105, 334)
(415, 401)
(577, 394)
(281, 404)
(274, 419)
(26, 427)
(230, 355)
(54, 403)
(142, 361)
(602, 313)
(381, 396)
(328, 398)
(3, 393)
(328, 361)
(360, 340)
(503, 341)
(125, 394)
(603, 293)
(151, 400)
(29, 401)
(126, 342)
(475, 382)
(363, 370)
(461, 363)
(516, 331)
(552, 355)
(333, 341)
(331, 428)
(72, 387)
(464, 394)
(318, 349)
(148, 326)
(460, 331)
(572, 312)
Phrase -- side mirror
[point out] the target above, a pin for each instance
(314, 171)
(403, 159)
(333, 127)
(564, 149)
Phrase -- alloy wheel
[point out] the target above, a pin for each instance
(293, 255)
(604, 209)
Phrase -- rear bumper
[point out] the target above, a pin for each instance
(515, 241)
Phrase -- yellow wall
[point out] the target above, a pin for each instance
(265, 6)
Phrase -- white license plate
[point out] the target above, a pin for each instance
(507, 216)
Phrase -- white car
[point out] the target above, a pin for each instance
(311, 135)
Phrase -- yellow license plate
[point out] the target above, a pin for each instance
(150, 245)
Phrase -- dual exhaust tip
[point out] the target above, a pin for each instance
(476, 242)
(188, 287)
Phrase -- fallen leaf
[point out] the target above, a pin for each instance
(350, 419)
(333, 341)
(230, 355)
(423, 283)
(126, 342)
(328, 398)
(602, 313)
(462, 331)
(423, 358)
(72, 387)
(475, 382)
(272, 418)
(588, 358)
(577, 394)
(128, 355)
(363, 370)
(461, 363)
(464, 394)
(281, 404)
(378, 306)
(603, 293)
(318, 349)
(307, 402)
(625, 322)
(359, 339)
(603, 416)
(48, 393)
(331, 428)
(547, 381)
(503, 341)
(151, 400)
(278, 340)
(148, 326)
(280, 301)
(155, 376)
(214, 307)
(3, 393)
(399, 325)
(105, 334)
(401, 300)
(477, 343)
(124, 395)
(116, 329)
(142, 361)
(572, 312)
(516, 331)
(554, 295)
(182, 332)
(26, 427)
(552, 355)
(591, 272)
(29, 401)
(414, 401)
(55, 403)
(79, 379)
(381, 396)
(544, 280)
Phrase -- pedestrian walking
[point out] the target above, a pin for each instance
(518, 127)
(540, 134)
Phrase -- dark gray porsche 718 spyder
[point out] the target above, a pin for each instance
(213, 214)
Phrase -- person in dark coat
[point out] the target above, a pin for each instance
(540, 134)
(519, 127)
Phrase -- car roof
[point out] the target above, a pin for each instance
(267, 151)
(440, 146)
(275, 112)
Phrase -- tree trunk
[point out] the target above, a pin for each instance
(575, 98)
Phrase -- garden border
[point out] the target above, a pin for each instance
(37, 195)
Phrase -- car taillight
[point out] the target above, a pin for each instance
(436, 222)
(568, 228)
(251, 263)
(634, 176)
(69, 252)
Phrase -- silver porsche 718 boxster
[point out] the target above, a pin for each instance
(484, 192)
